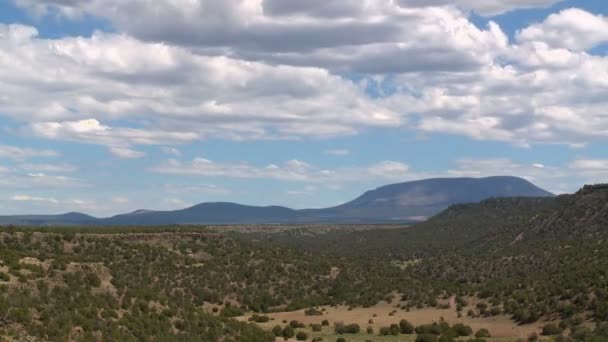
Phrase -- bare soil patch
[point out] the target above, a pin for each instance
(380, 314)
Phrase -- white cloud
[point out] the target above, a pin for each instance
(201, 189)
(306, 191)
(290, 171)
(120, 200)
(485, 7)
(590, 170)
(126, 153)
(368, 36)
(232, 12)
(42, 179)
(117, 139)
(21, 153)
(54, 168)
(557, 178)
(573, 29)
(26, 198)
(67, 87)
(468, 167)
(590, 165)
(52, 205)
(389, 169)
(34, 176)
(177, 203)
(250, 70)
(171, 150)
(338, 152)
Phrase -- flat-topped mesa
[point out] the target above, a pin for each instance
(591, 188)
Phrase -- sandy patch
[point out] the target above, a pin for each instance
(500, 326)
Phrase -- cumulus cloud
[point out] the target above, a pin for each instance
(337, 152)
(251, 70)
(41, 204)
(23, 153)
(36, 177)
(120, 200)
(198, 189)
(486, 7)
(126, 153)
(26, 198)
(171, 151)
(590, 164)
(289, 171)
(54, 168)
(573, 29)
(238, 10)
(534, 172)
(558, 178)
(74, 88)
(365, 36)
(591, 170)
(118, 139)
(42, 179)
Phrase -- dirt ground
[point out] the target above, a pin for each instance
(499, 326)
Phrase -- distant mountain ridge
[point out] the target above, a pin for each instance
(416, 200)
(398, 203)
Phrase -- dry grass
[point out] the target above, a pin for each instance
(501, 327)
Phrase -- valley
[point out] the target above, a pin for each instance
(399, 203)
(518, 267)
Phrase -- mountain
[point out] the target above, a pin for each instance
(527, 224)
(418, 200)
(210, 213)
(402, 202)
(68, 219)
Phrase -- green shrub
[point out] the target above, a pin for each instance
(296, 324)
(277, 330)
(92, 280)
(428, 329)
(312, 312)
(301, 336)
(482, 333)
(288, 332)
(230, 311)
(463, 330)
(427, 338)
(406, 327)
(341, 328)
(259, 318)
(551, 329)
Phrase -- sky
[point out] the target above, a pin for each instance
(109, 106)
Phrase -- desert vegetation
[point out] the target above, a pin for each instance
(538, 263)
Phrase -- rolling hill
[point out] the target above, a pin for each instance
(402, 202)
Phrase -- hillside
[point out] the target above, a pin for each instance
(207, 213)
(508, 222)
(395, 203)
(418, 200)
(68, 219)
(526, 262)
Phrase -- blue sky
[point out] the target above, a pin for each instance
(111, 106)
